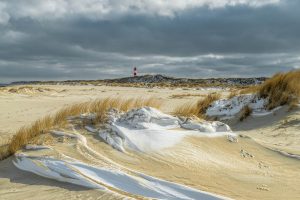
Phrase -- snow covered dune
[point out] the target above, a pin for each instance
(229, 108)
(139, 130)
(147, 129)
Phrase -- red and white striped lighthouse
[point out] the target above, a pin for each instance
(134, 71)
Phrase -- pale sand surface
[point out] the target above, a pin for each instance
(214, 165)
(26, 107)
(210, 164)
(280, 131)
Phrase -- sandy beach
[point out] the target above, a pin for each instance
(17, 107)
(253, 168)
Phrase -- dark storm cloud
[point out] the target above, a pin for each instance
(205, 40)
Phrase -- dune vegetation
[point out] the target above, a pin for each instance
(198, 108)
(4, 143)
(281, 89)
(99, 107)
(245, 112)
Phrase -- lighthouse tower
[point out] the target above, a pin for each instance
(134, 71)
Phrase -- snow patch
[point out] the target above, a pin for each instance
(147, 117)
(147, 129)
(112, 139)
(94, 177)
(228, 108)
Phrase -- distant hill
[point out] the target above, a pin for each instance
(165, 79)
(3, 84)
(157, 80)
(145, 79)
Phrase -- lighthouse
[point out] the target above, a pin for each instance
(134, 71)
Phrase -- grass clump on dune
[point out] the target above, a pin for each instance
(281, 89)
(198, 108)
(100, 107)
(4, 148)
(188, 109)
(245, 112)
(4, 152)
(25, 134)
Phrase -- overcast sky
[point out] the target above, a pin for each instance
(97, 39)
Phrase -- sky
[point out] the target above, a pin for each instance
(99, 39)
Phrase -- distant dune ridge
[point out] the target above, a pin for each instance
(159, 80)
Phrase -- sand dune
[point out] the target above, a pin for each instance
(80, 163)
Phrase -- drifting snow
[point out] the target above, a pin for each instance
(147, 129)
(79, 173)
(228, 108)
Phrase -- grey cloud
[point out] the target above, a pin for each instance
(199, 40)
(48, 10)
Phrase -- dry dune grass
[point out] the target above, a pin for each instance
(281, 89)
(232, 94)
(207, 101)
(245, 112)
(197, 108)
(25, 134)
(250, 90)
(188, 109)
(4, 152)
(4, 148)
